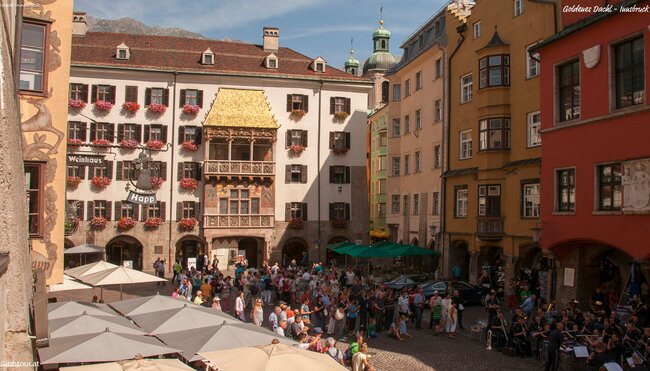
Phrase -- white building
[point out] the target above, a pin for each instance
(254, 102)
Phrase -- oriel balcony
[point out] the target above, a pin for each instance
(239, 168)
(239, 157)
(489, 228)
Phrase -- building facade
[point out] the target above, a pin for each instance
(492, 178)
(594, 106)
(255, 147)
(378, 140)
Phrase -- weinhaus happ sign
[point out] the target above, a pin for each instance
(141, 179)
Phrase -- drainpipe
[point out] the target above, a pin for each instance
(320, 107)
(170, 263)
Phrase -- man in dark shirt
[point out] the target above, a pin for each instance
(492, 305)
(555, 340)
(520, 337)
(599, 357)
(460, 304)
(498, 328)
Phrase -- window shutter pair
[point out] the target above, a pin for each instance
(305, 102)
(120, 169)
(108, 210)
(131, 94)
(109, 169)
(346, 105)
(147, 97)
(111, 94)
(84, 94)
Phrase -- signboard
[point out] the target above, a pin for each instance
(191, 263)
(142, 199)
(543, 285)
(569, 276)
(127, 264)
(83, 160)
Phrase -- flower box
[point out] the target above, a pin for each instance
(101, 142)
(189, 183)
(132, 107)
(190, 146)
(339, 223)
(298, 113)
(191, 109)
(153, 222)
(156, 108)
(126, 223)
(340, 150)
(156, 182)
(103, 105)
(296, 149)
(100, 182)
(73, 181)
(341, 115)
(187, 224)
(296, 223)
(75, 142)
(98, 222)
(155, 144)
(129, 144)
(76, 103)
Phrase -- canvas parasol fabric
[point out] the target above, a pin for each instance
(137, 364)
(148, 304)
(340, 245)
(272, 357)
(368, 252)
(104, 347)
(90, 324)
(85, 249)
(76, 308)
(224, 336)
(399, 249)
(188, 317)
(89, 269)
(119, 276)
(69, 283)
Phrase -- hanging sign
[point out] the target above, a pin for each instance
(142, 199)
(83, 160)
(146, 171)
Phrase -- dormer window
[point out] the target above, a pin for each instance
(207, 57)
(271, 61)
(318, 65)
(122, 52)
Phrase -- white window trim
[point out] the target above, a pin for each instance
(530, 61)
(461, 204)
(556, 196)
(476, 27)
(524, 198)
(461, 154)
(463, 86)
(521, 7)
(529, 125)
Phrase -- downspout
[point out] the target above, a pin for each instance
(320, 107)
(170, 263)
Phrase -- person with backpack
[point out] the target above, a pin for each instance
(360, 361)
(177, 271)
(334, 352)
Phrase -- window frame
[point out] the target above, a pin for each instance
(416, 204)
(466, 88)
(417, 159)
(612, 183)
(418, 119)
(485, 134)
(531, 61)
(188, 209)
(458, 207)
(435, 203)
(438, 67)
(418, 80)
(518, 10)
(76, 129)
(407, 124)
(44, 62)
(397, 128)
(407, 88)
(395, 204)
(407, 160)
(436, 156)
(525, 197)
(485, 68)
(489, 192)
(530, 128)
(476, 30)
(395, 161)
(465, 153)
(575, 81)
(40, 192)
(558, 191)
(616, 71)
(397, 92)
(437, 110)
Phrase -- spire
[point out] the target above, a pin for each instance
(352, 65)
(381, 36)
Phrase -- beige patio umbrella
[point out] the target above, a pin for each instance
(69, 283)
(77, 308)
(137, 364)
(119, 276)
(148, 304)
(90, 324)
(89, 269)
(190, 316)
(272, 357)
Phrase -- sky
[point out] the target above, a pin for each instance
(312, 27)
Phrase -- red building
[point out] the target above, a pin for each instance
(596, 149)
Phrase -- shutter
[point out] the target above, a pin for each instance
(288, 139)
(304, 211)
(118, 210)
(93, 97)
(289, 105)
(303, 138)
(163, 213)
(93, 132)
(347, 105)
(91, 172)
(131, 94)
(303, 174)
(120, 132)
(163, 170)
(136, 211)
(82, 172)
(146, 134)
(198, 134)
(331, 211)
(181, 100)
(197, 210)
(179, 211)
(109, 169)
(166, 97)
(84, 95)
(199, 98)
(109, 210)
(348, 141)
(82, 131)
(332, 139)
(164, 133)
(305, 103)
(138, 133)
(347, 175)
(144, 212)
(287, 211)
(91, 207)
(332, 106)
(80, 210)
(118, 173)
(179, 174)
(287, 175)
(147, 96)
(181, 134)
(331, 174)
(197, 171)
(111, 132)
(111, 94)
(347, 211)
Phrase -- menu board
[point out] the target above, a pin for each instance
(543, 285)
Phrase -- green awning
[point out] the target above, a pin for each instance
(340, 245)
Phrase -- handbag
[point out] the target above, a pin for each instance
(339, 315)
(461, 307)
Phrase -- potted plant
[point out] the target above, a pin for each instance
(156, 182)
(103, 105)
(339, 223)
(191, 109)
(341, 115)
(296, 149)
(75, 142)
(101, 142)
(129, 144)
(132, 107)
(156, 108)
(187, 224)
(100, 182)
(189, 183)
(98, 222)
(76, 103)
(153, 222)
(73, 181)
(126, 223)
(340, 150)
(155, 144)
(298, 113)
(189, 146)
(296, 223)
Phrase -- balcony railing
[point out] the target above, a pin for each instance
(225, 167)
(489, 228)
(239, 221)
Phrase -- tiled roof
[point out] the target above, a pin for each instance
(184, 55)
(459, 172)
(241, 108)
(528, 161)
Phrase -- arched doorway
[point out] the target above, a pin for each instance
(294, 249)
(249, 247)
(191, 247)
(611, 270)
(491, 268)
(331, 255)
(459, 259)
(125, 250)
(415, 241)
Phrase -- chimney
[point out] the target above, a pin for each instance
(271, 39)
(79, 25)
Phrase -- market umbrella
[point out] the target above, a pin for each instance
(103, 347)
(69, 283)
(272, 357)
(224, 336)
(338, 245)
(137, 364)
(188, 317)
(89, 269)
(399, 249)
(148, 304)
(90, 324)
(85, 249)
(119, 276)
(76, 308)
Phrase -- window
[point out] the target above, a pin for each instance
(125, 171)
(396, 128)
(188, 209)
(465, 144)
(407, 159)
(33, 72)
(320, 67)
(435, 208)
(192, 97)
(99, 171)
(382, 162)
(630, 75)
(405, 203)
(339, 104)
(460, 211)
(125, 210)
(418, 120)
(477, 30)
(383, 139)
(407, 124)
(240, 202)
(394, 204)
(297, 210)
(489, 200)
(154, 210)
(121, 54)
(397, 92)
(129, 132)
(188, 133)
(382, 186)
(534, 123)
(566, 190)
(384, 90)
(188, 170)
(416, 204)
(532, 63)
(438, 68)
(157, 95)
(610, 190)
(466, 88)
(340, 140)
(381, 210)
(437, 110)
(207, 57)
(103, 131)
(530, 200)
(494, 134)
(297, 102)
(77, 130)
(436, 156)
(418, 80)
(395, 166)
(34, 177)
(339, 210)
(100, 209)
(519, 7)
(155, 132)
(296, 137)
(131, 93)
(569, 91)
(417, 161)
(407, 87)
(79, 92)
(494, 71)
(296, 174)
(340, 174)
(76, 171)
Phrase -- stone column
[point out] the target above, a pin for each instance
(250, 157)
(229, 149)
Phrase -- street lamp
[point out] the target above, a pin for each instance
(433, 228)
(537, 234)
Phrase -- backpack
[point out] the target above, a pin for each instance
(347, 356)
(255, 289)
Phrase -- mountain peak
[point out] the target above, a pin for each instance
(132, 26)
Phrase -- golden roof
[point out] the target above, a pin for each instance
(241, 108)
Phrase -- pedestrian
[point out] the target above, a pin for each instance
(280, 330)
(445, 303)
(334, 352)
(198, 299)
(177, 271)
(257, 314)
(452, 320)
(274, 318)
(240, 306)
(360, 361)
(418, 307)
(216, 304)
(436, 312)
(555, 340)
(225, 295)
(460, 306)
(492, 305)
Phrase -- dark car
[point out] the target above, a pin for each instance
(407, 281)
(471, 293)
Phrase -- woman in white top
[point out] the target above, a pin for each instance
(445, 303)
(257, 314)
(239, 307)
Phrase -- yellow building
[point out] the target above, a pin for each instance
(492, 174)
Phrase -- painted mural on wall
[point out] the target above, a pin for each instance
(636, 187)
